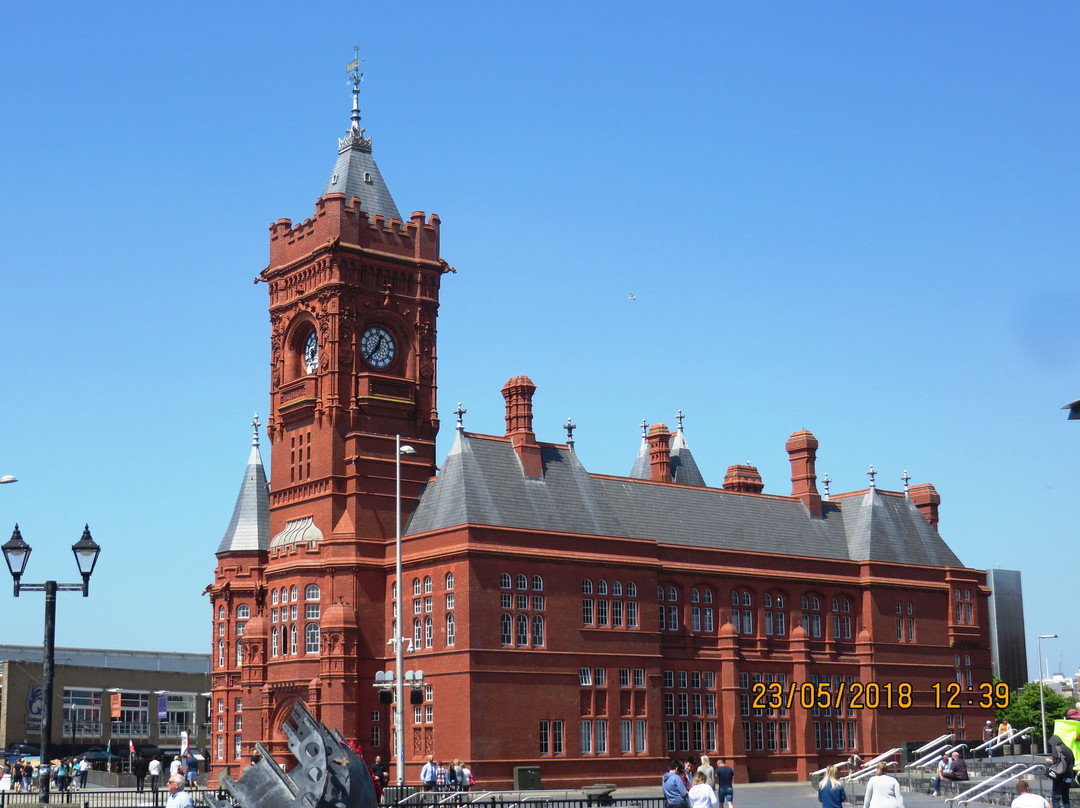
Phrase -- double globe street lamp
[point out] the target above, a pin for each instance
(16, 554)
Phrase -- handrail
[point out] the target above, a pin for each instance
(405, 799)
(871, 766)
(479, 796)
(926, 759)
(948, 736)
(994, 786)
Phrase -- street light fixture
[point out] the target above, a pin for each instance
(16, 555)
(1042, 698)
(399, 651)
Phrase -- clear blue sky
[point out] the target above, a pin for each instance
(859, 219)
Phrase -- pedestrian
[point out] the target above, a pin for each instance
(192, 769)
(427, 774)
(178, 798)
(708, 770)
(675, 791)
(831, 792)
(84, 771)
(725, 791)
(883, 790)
(1061, 771)
(701, 794)
(176, 767)
(141, 767)
(988, 736)
(379, 770)
(1025, 799)
(153, 769)
(467, 779)
(440, 776)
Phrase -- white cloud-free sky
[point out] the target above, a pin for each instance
(859, 219)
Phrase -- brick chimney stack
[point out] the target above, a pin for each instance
(802, 451)
(926, 498)
(659, 453)
(518, 393)
(744, 479)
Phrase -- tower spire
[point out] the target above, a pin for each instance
(357, 78)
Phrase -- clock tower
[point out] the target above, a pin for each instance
(354, 294)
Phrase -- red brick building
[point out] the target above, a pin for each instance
(593, 625)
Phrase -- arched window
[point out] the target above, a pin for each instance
(537, 583)
(586, 586)
(292, 639)
(845, 605)
(779, 601)
(775, 621)
(427, 585)
(660, 593)
(311, 638)
(506, 629)
(746, 599)
(522, 582)
(805, 603)
(734, 598)
(243, 611)
(706, 595)
(504, 581)
(417, 634)
(393, 591)
(616, 589)
(221, 653)
(522, 629)
(239, 654)
(815, 604)
(672, 594)
(449, 580)
(695, 596)
(631, 590)
(311, 592)
(538, 630)
(416, 586)
(450, 629)
(273, 642)
(601, 587)
(292, 594)
(836, 604)
(429, 632)
(221, 613)
(274, 596)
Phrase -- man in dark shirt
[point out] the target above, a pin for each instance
(956, 770)
(725, 775)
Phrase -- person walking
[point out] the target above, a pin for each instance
(883, 790)
(153, 769)
(675, 793)
(178, 798)
(831, 792)
(701, 794)
(710, 773)
(725, 791)
(1061, 771)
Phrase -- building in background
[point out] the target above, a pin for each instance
(589, 624)
(1007, 639)
(160, 695)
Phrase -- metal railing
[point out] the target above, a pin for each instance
(104, 798)
(990, 785)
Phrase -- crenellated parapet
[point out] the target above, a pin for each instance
(337, 220)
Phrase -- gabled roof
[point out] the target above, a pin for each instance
(481, 483)
(249, 528)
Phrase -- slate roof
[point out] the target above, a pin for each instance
(482, 483)
(355, 174)
(249, 528)
(684, 469)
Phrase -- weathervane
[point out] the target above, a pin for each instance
(357, 78)
(679, 418)
(644, 428)
(255, 425)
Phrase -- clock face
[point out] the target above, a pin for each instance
(377, 347)
(311, 353)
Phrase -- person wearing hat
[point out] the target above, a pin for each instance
(988, 735)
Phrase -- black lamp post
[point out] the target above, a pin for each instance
(16, 554)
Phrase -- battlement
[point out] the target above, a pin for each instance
(336, 219)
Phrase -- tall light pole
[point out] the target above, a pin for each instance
(16, 554)
(1042, 699)
(399, 651)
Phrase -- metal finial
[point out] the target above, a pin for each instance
(871, 474)
(459, 412)
(825, 480)
(644, 428)
(570, 427)
(906, 478)
(679, 418)
(357, 78)
(255, 427)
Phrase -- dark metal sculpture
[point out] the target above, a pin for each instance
(328, 773)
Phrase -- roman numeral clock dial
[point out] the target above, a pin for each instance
(377, 347)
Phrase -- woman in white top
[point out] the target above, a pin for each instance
(883, 791)
(702, 794)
